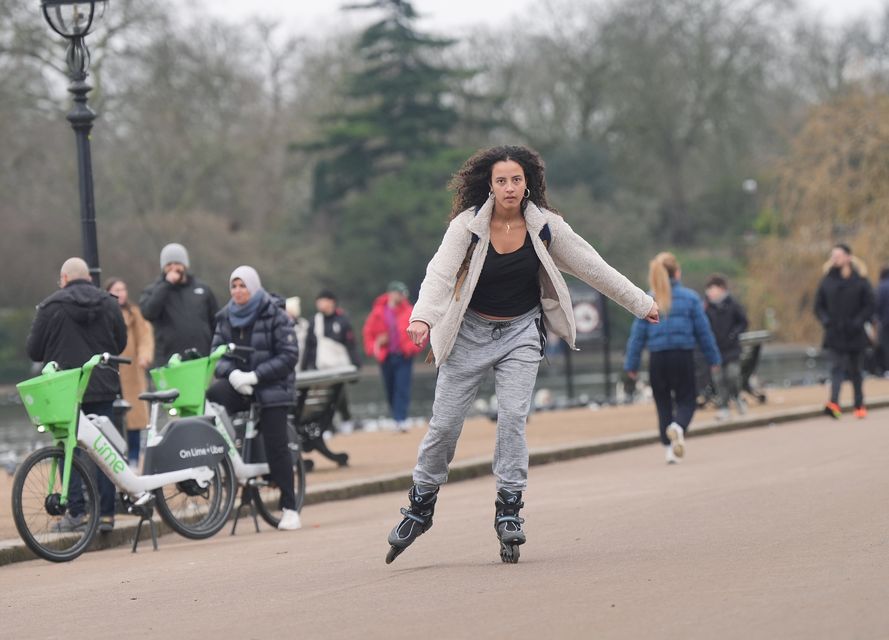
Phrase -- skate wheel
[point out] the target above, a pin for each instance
(394, 552)
(509, 553)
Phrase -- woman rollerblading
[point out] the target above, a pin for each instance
(490, 292)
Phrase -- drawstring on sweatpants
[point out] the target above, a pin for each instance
(497, 329)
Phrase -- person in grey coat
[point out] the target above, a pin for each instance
(490, 292)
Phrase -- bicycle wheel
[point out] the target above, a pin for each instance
(267, 495)
(198, 512)
(51, 531)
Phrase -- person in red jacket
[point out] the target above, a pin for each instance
(386, 339)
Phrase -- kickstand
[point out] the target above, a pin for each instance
(145, 515)
(246, 501)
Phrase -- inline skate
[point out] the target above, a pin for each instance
(417, 519)
(508, 524)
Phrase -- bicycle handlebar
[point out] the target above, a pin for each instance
(235, 348)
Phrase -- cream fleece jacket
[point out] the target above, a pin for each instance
(443, 312)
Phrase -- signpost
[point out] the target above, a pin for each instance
(591, 320)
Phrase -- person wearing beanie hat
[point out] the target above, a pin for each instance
(398, 287)
(386, 340)
(174, 254)
(267, 375)
(181, 308)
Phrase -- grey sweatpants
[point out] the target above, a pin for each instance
(513, 350)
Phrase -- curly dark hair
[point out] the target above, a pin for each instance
(472, 183)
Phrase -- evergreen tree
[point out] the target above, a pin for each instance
(401, 108)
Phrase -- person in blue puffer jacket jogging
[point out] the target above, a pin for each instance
(671, 345)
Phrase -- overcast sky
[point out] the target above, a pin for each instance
(313, 16)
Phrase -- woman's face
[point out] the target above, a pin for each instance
(508, 183)
(239, 291)
(119, 289)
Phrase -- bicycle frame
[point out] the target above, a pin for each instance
(112, 463)
(244, 471)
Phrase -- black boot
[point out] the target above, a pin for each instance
(417, 519)
(508, 524)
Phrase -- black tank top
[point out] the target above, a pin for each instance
(509, 284)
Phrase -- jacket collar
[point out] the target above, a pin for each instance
(480, 224)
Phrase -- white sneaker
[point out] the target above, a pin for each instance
(290, 520)
(722, 415)
(677, 439)
(671, 457)
(742, 406)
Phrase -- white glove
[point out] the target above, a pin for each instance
(243, 381)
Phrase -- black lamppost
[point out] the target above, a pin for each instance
(73, 20)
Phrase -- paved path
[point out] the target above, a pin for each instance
(768, 533)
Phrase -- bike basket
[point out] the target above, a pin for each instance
(189, 377)
(51, 398)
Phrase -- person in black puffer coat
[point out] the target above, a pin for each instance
(72, 325)
(257, 319)
(843, 304)
(180, 307)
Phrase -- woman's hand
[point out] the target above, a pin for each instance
(653, 317)
(242, 381)
(418, 331)
(633, 375)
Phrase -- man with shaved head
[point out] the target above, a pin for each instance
(72, 325)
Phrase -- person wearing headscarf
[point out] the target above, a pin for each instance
(266, 375)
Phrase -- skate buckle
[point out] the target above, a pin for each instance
(413, 516)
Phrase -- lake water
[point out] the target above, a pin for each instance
(779, 366)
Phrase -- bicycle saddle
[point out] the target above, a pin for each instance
(160, 396)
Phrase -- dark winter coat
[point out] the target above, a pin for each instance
(275, 351)
(843, 305)
(74, 324)
(728, 321)
(337, 327)
(883, 304)
(182, 316)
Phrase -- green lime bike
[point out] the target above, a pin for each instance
(191, 376)
(55, 506)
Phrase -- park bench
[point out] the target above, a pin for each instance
(318, 395)
(751, 352)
